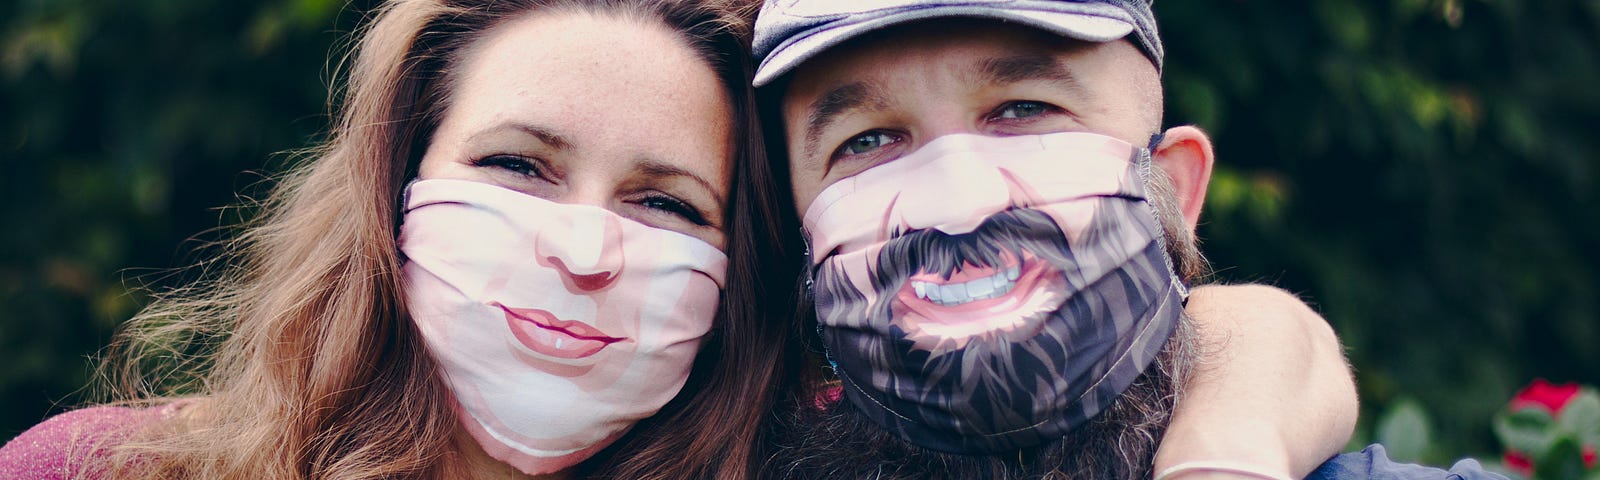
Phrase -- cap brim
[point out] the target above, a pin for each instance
(801, 47)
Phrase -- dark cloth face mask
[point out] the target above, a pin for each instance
(985, 294)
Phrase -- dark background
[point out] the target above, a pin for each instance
(1424, 172)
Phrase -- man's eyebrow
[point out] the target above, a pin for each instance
(1008, 70)
(658, 169)
(834, 103)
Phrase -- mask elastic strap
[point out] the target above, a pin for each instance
(808, 296)
(1146, 163)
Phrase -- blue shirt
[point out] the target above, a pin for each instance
(1374, 463)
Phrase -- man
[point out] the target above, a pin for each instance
(1001, 244)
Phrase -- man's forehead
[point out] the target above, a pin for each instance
(880, 69)
(876, 71)
(976, 52)
(943, 43)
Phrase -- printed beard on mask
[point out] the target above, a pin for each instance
(1009, 333)
(556, 327)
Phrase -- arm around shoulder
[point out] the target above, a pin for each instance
(1272, 389)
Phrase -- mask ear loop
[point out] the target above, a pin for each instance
(809, 297)
(400, 213)
(805, 241)
(1145, 164)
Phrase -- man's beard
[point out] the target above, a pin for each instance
(998, 380)
(818, 438)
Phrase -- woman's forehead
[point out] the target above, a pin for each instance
(637, 90)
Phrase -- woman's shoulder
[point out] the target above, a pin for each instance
(64, 446)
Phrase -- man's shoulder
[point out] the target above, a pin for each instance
(67, 445)
(1374, 463)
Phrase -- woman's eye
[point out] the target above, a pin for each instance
(866, 143)
(511, 163)
(1023, 109)
(675, 207)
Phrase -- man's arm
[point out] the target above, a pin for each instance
(1272, 389)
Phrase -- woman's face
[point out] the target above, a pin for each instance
(598, 110)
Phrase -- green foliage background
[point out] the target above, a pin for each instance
(1423, 171)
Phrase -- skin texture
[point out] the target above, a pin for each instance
(631, 121)
(1284, 415)
(1273, 391)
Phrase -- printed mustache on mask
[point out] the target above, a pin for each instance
(989, 261)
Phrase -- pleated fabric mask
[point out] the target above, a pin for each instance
(985, 294)
(557, 326)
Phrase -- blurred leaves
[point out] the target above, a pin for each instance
(1405, 432)
(1424, 171)
(123, 127)
(1528, 430)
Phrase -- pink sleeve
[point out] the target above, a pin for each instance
(67, 445)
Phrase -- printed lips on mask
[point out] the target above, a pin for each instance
(931, 271)
(986, 294)
(557, 327)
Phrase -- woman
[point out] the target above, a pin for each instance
(612, 128)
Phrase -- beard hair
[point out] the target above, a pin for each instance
(814, 439)
(998, 378)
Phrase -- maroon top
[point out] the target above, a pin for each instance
(65, 446)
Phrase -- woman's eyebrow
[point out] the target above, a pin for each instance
(548, 136)
(836, 102)
(653, 168)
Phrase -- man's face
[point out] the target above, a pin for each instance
(876, 100)
(962, 274)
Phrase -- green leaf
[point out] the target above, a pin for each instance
(1581, 417)
(1529, 431)
(1404, 431)
(1564, 459)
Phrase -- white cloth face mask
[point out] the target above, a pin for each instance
(557, 326)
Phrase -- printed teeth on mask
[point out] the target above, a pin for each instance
(959, 293)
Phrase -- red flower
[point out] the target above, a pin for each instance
(1517, 462)
(1551, 398)
(1543, 394)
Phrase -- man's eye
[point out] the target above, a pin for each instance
(866, 143)
(513, 164)
(1023, 109)
(675, 207)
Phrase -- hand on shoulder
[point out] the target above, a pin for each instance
(1272, 388)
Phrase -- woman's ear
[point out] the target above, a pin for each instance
(1185, 155)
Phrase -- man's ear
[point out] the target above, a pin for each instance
(1185, 155)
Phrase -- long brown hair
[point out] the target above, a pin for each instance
(301, 343)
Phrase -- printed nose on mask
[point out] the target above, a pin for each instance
(586, 249)
(966, 182)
